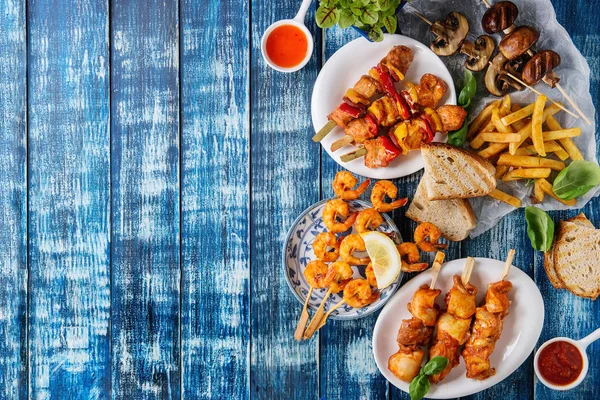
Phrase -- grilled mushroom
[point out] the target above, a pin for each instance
(478, 52)
(497, 82)
(449, 33)
(500, 17)
(541, 67)
(518, 42)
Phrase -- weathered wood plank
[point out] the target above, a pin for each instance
(13, 201)
(215, 242)
(145, 199)
(69, 217)
(284, 181)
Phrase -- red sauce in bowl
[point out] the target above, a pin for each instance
(286, 46)
(560, 363)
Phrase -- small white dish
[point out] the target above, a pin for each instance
(298, 22)
(344, 68)
(581, 345)
(522, 326)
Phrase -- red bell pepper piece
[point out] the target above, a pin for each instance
(390, 89)
(428, 127)
(373, 125)
(391, 150)
(350, 110)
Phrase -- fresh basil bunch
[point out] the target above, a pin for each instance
(459, 137)
(419, 386)
(576, 180)
(369, 15)
(540, 228)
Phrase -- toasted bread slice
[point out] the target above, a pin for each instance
(555, 280)
(454, 218)
(576, 256)
(455, 173)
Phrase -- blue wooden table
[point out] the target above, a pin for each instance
(150, 165)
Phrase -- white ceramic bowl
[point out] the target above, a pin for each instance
(309, 40)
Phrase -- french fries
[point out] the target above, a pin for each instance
(536, 125)
(518, 115)
(561, 134)
(525, 132)
(550, 147)
(505, 197)
(482, 119)
(530, 162)
(499, 137)
(526, 173)
(546, 187)
(538, 193)
(493, 150)
(567, 143)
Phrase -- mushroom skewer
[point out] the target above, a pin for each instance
(518, 41)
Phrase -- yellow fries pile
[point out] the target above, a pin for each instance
(514, 140)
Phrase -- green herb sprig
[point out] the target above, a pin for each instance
(540, 228)
(459, 137)
(369, 15)
(419, 386)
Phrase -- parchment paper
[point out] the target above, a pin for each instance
(574, 74)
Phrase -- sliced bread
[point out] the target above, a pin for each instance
(576, 256)
(555, 280)
(454, 218)
(455, 173)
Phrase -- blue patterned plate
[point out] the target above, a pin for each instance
(298, 252)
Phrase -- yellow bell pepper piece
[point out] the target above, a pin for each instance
(400, 133)
(435, 117)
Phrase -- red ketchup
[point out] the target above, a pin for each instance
(287, 46)
(560, 363)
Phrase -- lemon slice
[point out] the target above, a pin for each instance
(384, 257)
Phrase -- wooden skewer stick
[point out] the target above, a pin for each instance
(324, 319)
(575, 106)
(303, 318)
(314, 323)
(424, 18)
(507, 265)
(338, 144)
(468, 269)
(435, 269)
(487, 3)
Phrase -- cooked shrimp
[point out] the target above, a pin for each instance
(367, 220)
(409, 253)
(370, 274)
(358, 293)
(382, 189)
(350, 244)
(425, 231)
(416, 267)
(338, 275)
(315, 274)
(338, 208)
(344, 182)
(323, 241)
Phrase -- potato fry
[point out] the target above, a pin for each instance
(546, 187)
(561, 134)
(538, 193)
(505, 197)
(518, 125)
(501, 170)
(525, 132)
(526, 173)
(498, 124)
(550, 147)
(567, 143)
(505, 105)
(499, 137)
(482, 119)
(518, 115)
(559, 151)
(536, 124)
(530, 162)
(493, 149)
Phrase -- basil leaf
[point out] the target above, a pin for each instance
(326, 16)
(540, 228)
(435, 365)
(347, 19)
(419, 387)
(468, 90)
(390, 23)
(576, 180)
(369, 17)
(459, 137)
(376, 34)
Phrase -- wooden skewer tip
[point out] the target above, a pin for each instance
(508, 263)
(424, 18)
(572, 102)
(487, 3)
(468, 269)
(435, 269)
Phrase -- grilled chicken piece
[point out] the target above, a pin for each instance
(423, 305)
(406, 363)
(461, 299)
(340, 117)
(367, 87)
(413, 332)
(446, 346)
(376, 156)
(385, 112)
(430, 90)
(359, 130)
(496, 299)
(416, 134)
(452, 117)
(400, 57)
(457, 328)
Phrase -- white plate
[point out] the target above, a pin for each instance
(522, 327)
(344, 68)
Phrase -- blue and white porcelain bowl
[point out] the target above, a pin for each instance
(298, 252)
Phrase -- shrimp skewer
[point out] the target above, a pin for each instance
(416, 331)
(315, 274)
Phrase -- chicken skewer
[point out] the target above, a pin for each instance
(487, 327)
(454, 324)
(540, 66)
(358, 98)
(414, 333)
